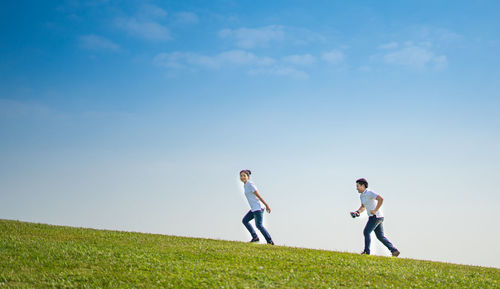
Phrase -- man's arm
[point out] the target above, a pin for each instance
(268, 209)
(359, 211)
(379, 204)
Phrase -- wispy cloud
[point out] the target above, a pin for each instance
(13, 109)
(333, 56)
(364, 68)
(426, 50)
(251, 63)
(97, 43)
(244, 58)
(185, 60)
(266, 36)
(437, 35)
(94, 2)
(149, 30)
(148, 11)
(145, 24)
(186, 18)
(254, 37)
(280, 71)
(302, 36)
(291, 65)
(304, 59)
(417, 56)
(390, 45)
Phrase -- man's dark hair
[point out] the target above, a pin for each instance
(246, 172)
(362, 181)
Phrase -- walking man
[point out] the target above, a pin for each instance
(371, 202)
(256, 211)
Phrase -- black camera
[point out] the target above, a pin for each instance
(354, 214)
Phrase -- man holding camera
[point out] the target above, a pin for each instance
(372, 203)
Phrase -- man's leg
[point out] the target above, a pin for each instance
(370, 226)
(379, 232)
(246, 221)
(258, 222)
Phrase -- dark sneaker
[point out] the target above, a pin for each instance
(270, 243)
(396, 253)
(364, 253)
(254, 240)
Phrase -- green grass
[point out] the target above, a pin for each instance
(45, 256)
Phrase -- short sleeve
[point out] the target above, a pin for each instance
(371, 195)
(252, 187)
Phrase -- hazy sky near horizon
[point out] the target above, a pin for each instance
(138, 115)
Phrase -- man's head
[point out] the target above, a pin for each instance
(245, 175)
(361, 185)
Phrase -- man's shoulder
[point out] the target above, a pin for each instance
(250, 184)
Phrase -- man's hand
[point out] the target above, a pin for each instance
(373, 212)
(268, 209)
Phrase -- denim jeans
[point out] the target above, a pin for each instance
(258, 215)
(375, 224)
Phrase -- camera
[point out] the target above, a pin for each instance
(354, 214)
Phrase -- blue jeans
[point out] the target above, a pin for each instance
(375, 224)
(258, 215)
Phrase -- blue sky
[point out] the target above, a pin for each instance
(138, 115)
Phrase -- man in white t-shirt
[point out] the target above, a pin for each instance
(371, 202)
(256, 211)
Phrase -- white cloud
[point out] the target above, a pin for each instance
(177, 60)
(280, 71)
(12, 109)
(254, 37)
(365, 68)
(148, 11)
(145, 24)
(97, 43)
(146, 29)
(333, 56)
(186, 18)
(440, 62)
(438, 35)
(304, 59)
(95, 2)
(241, 57)
(416, 56)
(302, 36)
(425, 50)
(266, 36)
(390, 45)
(253, 64)
(184, 60)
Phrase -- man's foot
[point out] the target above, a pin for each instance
(254, 240)
(395, 253)
(270, 243)
(365, 253)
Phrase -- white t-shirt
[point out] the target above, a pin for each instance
(254, 203)
(368, 199)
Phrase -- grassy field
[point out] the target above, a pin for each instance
(45, 256)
